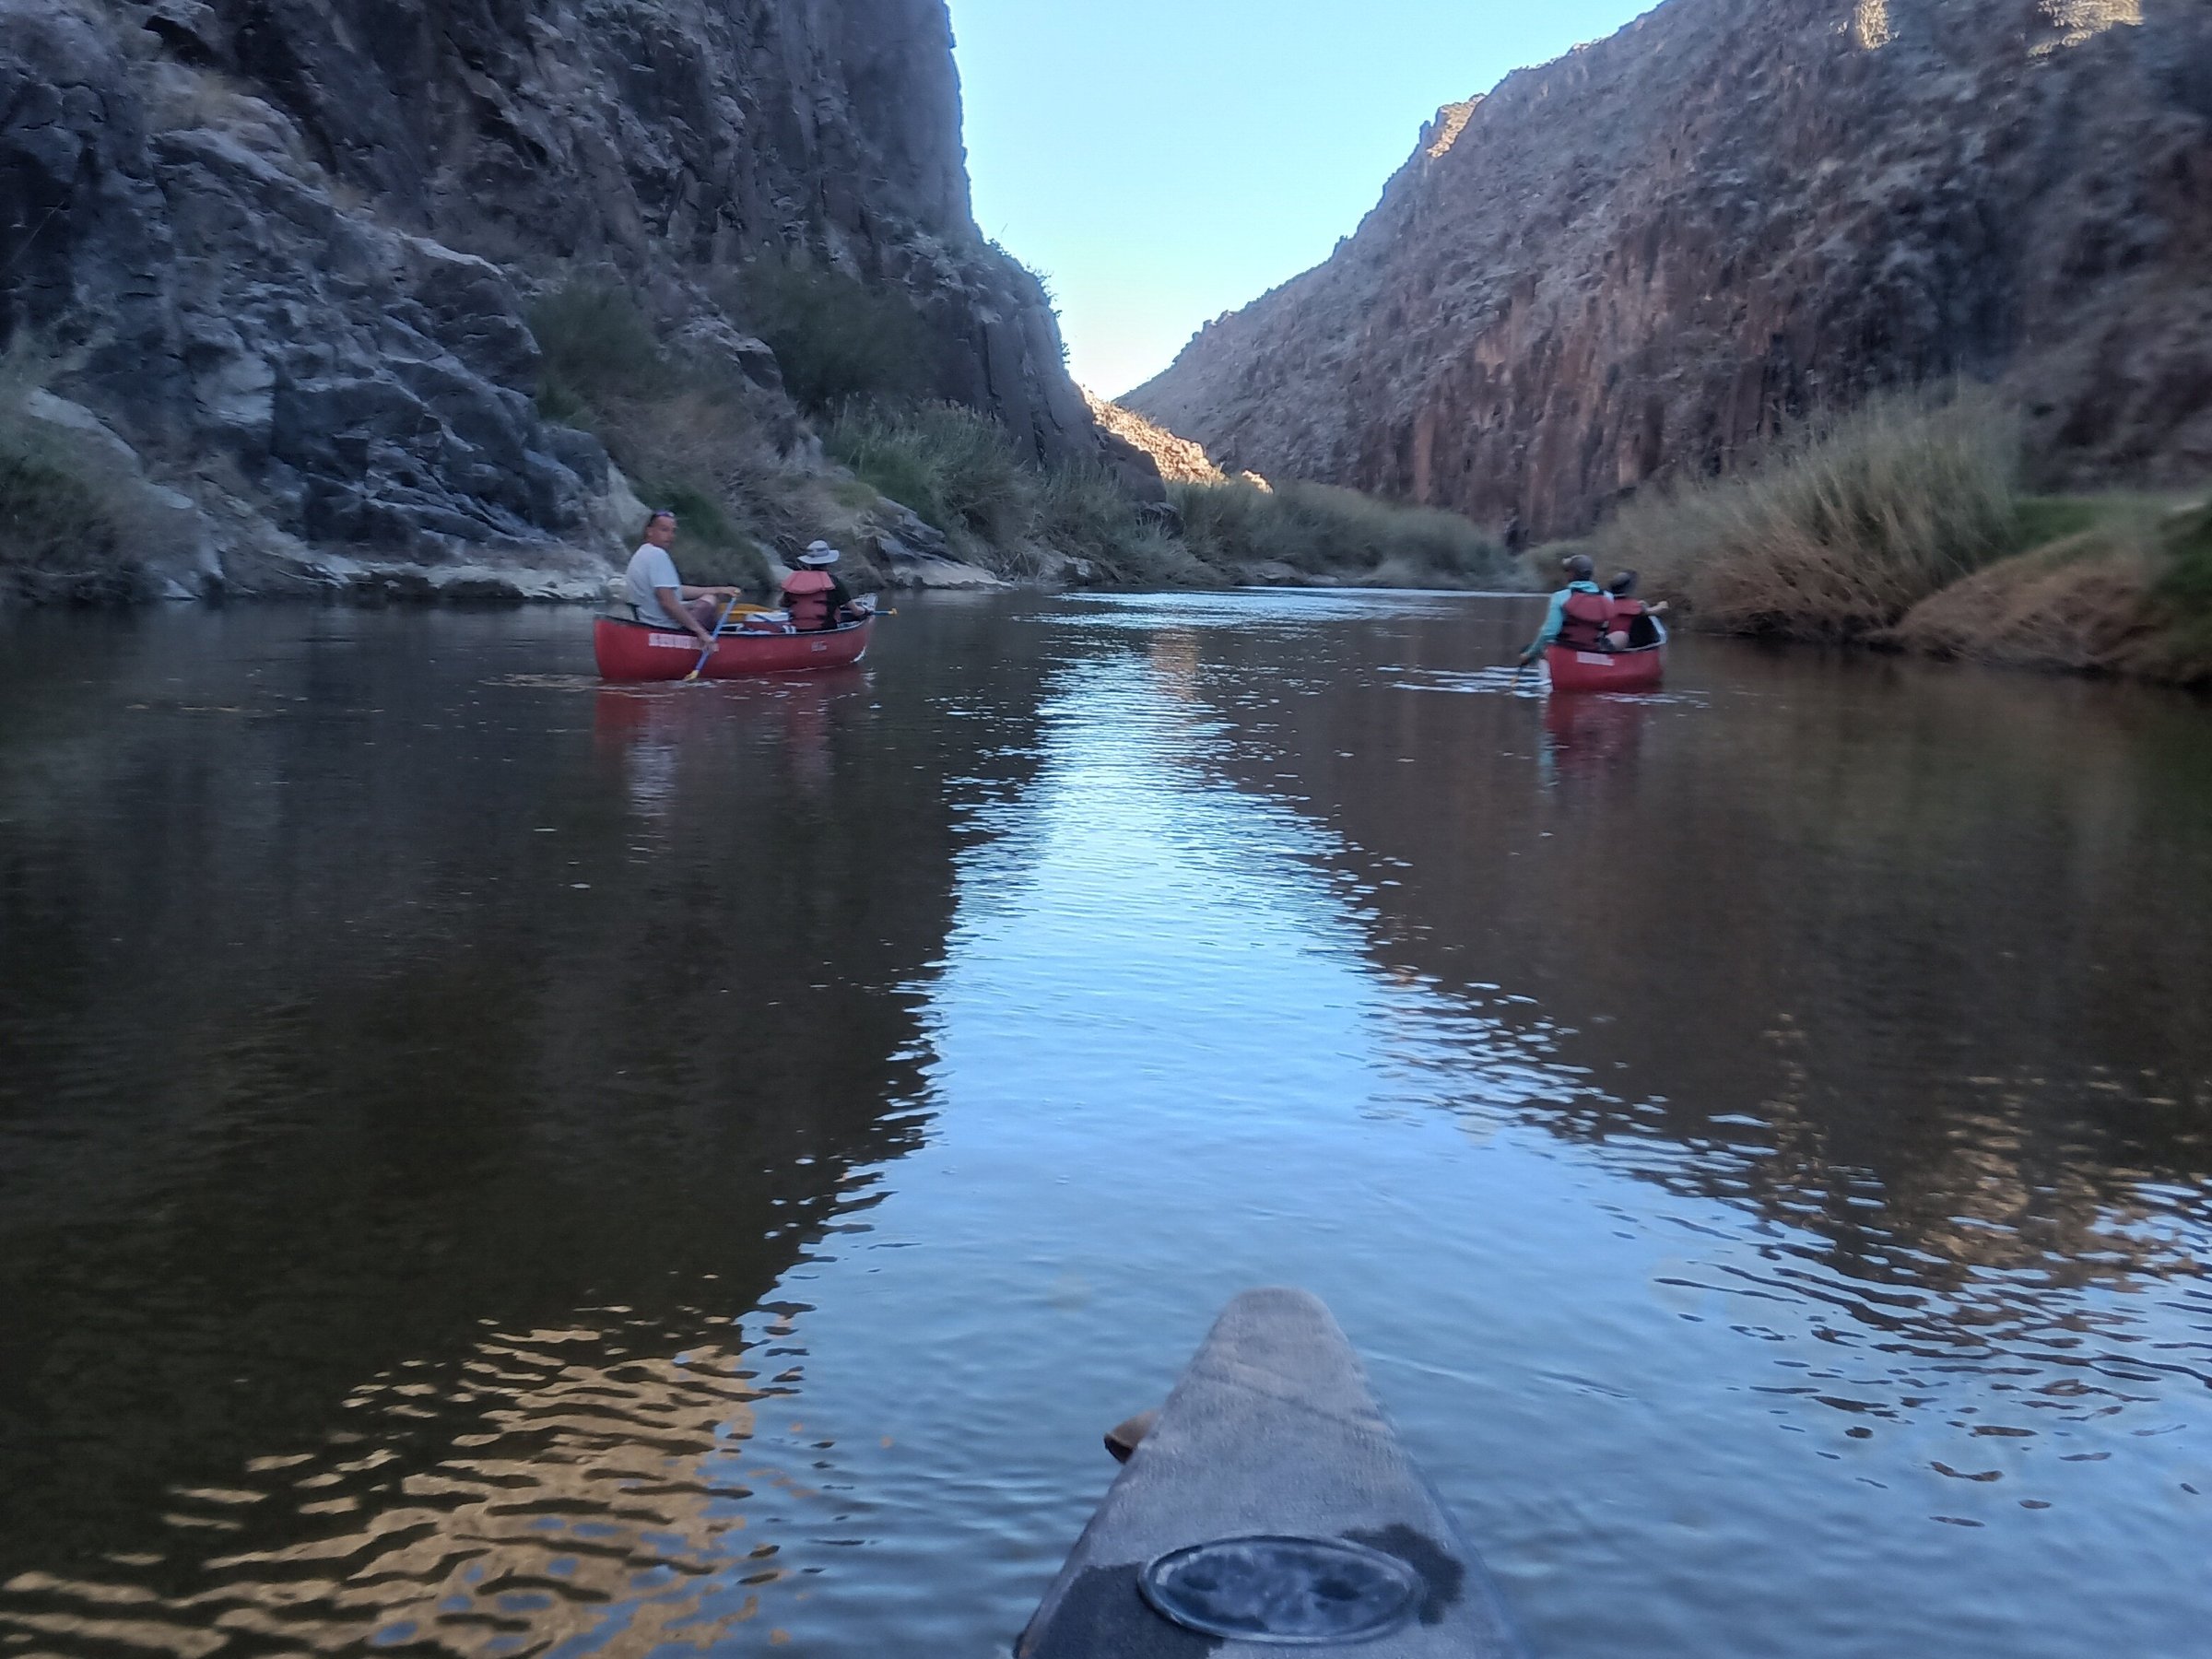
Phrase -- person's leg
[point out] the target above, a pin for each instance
(706, 612)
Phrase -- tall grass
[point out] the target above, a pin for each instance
(684, 433)
(1322, 531)
(1845, 527)
(957, 468)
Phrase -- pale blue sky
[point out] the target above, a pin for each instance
(1161, 161)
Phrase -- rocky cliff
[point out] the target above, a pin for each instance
(274, 256)
(1644, 259)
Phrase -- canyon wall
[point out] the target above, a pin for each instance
(1644, 259)
(273, 258)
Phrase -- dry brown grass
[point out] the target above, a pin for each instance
(2079, 604)
(2115, 598)
(1844, 529)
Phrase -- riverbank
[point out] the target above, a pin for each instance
(824, 439)
(1905, 526)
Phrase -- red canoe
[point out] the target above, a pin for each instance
(631, 650)
(1638, 670)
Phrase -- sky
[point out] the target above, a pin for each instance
(1161, 161)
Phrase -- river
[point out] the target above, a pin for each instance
(495, 1165)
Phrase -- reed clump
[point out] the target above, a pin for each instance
(1902, 525)
(1842, 529)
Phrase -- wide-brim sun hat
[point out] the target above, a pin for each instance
(820, 553)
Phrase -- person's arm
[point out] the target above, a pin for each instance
(1554, 620)
(712, 593)
(672, 602)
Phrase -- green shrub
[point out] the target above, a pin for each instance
(70, 520)
(682, 432)
(596, 347)
(2185, 588)
(57, 536)
(955, 468)
(961, 472)
(1846, 525)
(835, 338)
(2040, 520)
(1083, 510)
(1321, 530)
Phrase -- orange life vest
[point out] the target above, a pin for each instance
(1589, 618)
(806, 598)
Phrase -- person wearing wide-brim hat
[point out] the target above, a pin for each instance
(814, 598)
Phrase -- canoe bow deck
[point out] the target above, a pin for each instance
(631, 650)
(1271, 1430)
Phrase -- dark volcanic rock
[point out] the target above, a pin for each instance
(1644, 258)
(274, 244)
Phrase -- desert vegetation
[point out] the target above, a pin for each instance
(962, 473)
(837, 339)
(1316, 530)
(68, 520)
(1839, 531)
(1905, 523)
(690, 434)
(695, 433)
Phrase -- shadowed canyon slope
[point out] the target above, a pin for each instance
(1641, 259)
(283, 248)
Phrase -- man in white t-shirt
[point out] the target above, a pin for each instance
(658, 594)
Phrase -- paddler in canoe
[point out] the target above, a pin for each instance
(815, 599)
(1580, 614)
(1634, 625)
(660, 597)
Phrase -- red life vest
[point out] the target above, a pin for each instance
(806, 598)
(1589, 619)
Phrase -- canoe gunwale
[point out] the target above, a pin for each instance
(630, 651)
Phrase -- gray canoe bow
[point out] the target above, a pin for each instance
(1273, 1429)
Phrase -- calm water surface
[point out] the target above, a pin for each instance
(492, 1165)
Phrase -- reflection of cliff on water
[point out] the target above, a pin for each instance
(1897, 955)
(370, 1015)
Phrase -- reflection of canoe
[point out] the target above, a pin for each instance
(1271, 1448)
(1638, 670)
(631, 650)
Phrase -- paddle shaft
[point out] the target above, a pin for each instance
(721, 622)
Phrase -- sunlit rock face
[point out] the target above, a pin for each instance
(1640, 261)
(283, 247)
